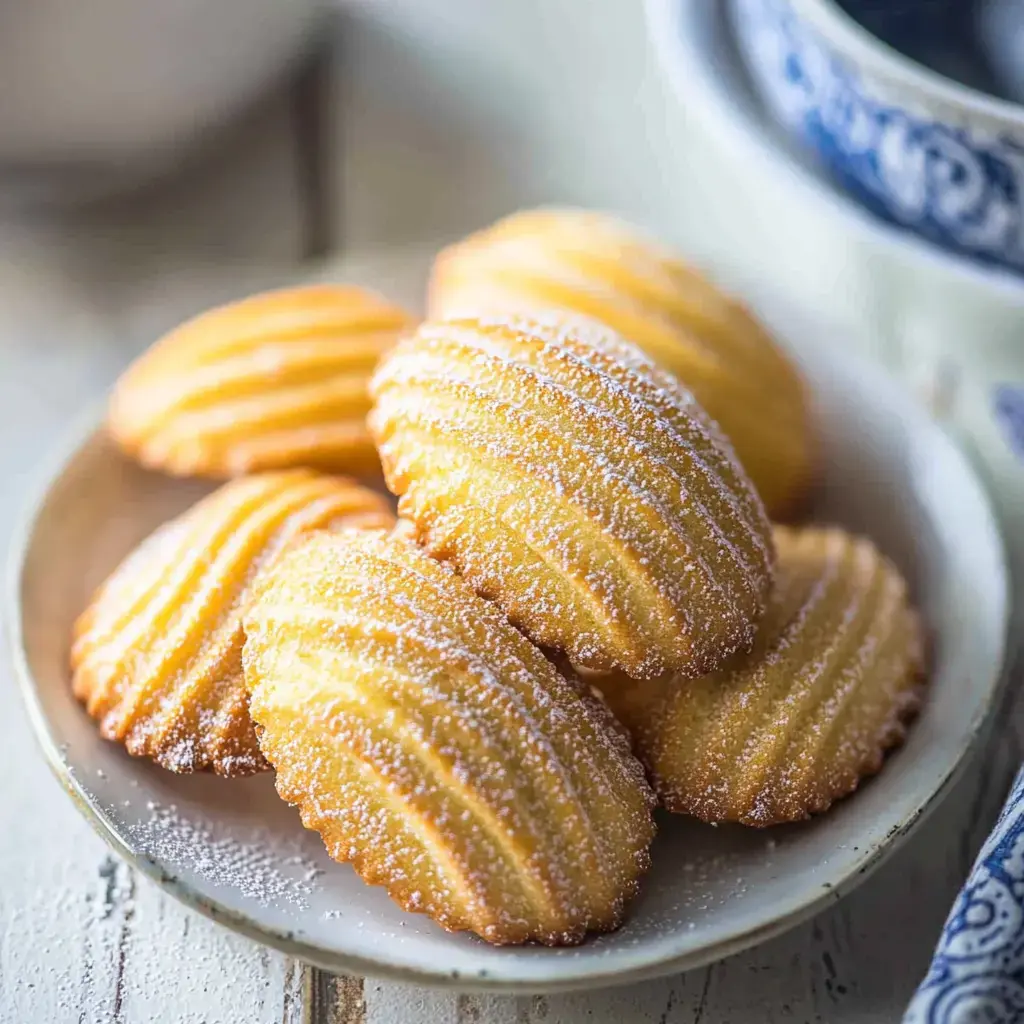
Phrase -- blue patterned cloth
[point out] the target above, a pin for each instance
(977, 973)
(1008, 405)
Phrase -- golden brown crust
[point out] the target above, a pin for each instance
(782, 733)
(593, 264)
(157, 654)
(578, 486)
(275, 381)
(433, 747)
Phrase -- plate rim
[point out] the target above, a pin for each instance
(90, 426)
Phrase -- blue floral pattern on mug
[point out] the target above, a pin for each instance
(977, 973)
(1008, 406)
(959, 187)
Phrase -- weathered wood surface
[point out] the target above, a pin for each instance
(82, 939)
(418, 154)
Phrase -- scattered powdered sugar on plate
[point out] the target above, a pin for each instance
(254, 865)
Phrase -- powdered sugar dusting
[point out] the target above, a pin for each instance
(157, 655)
(588, 262)
(437, 750)
(781, 734)
(254, 865)
(576, 485)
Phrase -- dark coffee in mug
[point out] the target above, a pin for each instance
(978, 43)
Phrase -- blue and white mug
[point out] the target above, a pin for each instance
(918, 149)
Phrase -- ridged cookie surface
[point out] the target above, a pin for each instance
(157, 654)
(781, 733)
(577, 485)
(277, 380)
(594, 264)
(436, 749)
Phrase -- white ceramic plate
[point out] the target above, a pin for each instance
(236, 852)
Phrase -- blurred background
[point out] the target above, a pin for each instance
(405, 120)
(156, 159)
(857, 162)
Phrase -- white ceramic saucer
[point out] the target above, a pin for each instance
(237, 853)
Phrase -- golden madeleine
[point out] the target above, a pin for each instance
(780, 734)
(275, 381)
(594, 264)
(436, 749)
(578, 486)
(157, 655)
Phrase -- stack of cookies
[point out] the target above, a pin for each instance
(583, 608)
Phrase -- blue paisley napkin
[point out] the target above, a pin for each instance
(977, 973)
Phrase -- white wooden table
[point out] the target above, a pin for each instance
(411, 151)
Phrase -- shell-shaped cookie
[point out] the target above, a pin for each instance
(275, 381)
(594, 264)
(157, 655)
(781, 733)
(436, 749)
(579, 486)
